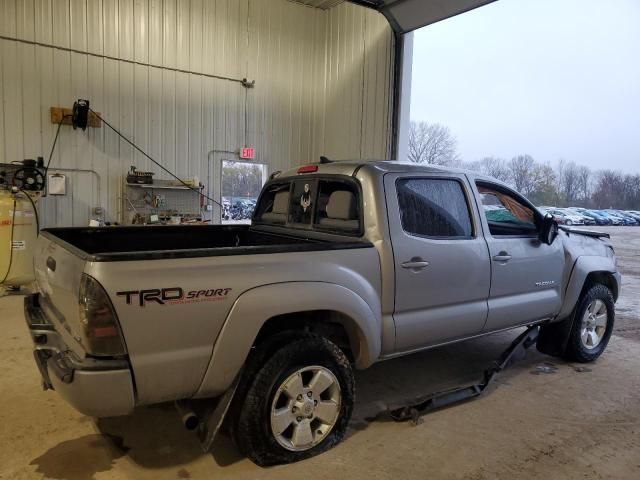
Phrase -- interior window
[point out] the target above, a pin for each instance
(274, 204)
(302, 201)
(506, 214)
(338, 207)
(434, 208)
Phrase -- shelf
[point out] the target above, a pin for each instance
(158, 187)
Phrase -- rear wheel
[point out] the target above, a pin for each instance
(592, 325)
(297, 404)
(569, 222)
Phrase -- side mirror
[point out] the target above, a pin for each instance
(549, 229)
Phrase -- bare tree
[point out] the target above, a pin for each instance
(432, 143)
(494, 167)
(522, 172)
(543, 185)
(568, 181)
(608, 189)
(630, 192)
(584, 185)
(567, 184)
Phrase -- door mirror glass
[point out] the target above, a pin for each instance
(549, 230)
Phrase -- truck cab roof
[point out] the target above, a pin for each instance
(349, 167)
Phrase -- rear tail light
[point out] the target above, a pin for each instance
(101, 330)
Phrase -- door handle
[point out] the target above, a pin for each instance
(416, 264)
(51, 264)
(502, 257)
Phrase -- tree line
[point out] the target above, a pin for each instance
(564, 183)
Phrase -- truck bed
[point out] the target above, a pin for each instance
(161, 242)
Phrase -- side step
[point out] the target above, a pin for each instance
(434, 401)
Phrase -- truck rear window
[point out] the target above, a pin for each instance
(322, 204)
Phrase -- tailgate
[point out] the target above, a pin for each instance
(58, 274)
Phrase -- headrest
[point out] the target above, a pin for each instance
(342, 205)
(281, 202)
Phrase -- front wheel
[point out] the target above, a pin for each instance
(569, 223)
(298, 404)
(592, 325)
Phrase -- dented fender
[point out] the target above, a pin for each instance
(583, 266)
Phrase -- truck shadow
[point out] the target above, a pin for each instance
(80, 458)
(399, 381)
(155, 438)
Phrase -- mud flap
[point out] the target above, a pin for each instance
(554, 337)
(213, 418)
(431, 402)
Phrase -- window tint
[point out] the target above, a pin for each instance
(274, 204)
(506, 214)
(434, 208)
(333, 205)
(302, 201)
(338, 207)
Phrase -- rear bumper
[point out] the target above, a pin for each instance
(94, 387)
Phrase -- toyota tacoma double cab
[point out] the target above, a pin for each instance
(344, 264)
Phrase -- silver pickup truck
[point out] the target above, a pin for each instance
(345, 264)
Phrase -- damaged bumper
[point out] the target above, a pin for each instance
(95, 387)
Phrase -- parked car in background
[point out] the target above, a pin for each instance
(569, 218)
(634, 214)
(615, 220)
(586, 216)
(628, 216)
(545, 210)
(597, 217)
(587, 220)
(626, 220)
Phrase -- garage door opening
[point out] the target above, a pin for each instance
(241, 185)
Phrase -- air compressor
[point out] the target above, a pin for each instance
(21, 184)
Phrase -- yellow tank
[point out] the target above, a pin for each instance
(18, 234)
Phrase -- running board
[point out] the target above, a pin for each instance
(434, 401)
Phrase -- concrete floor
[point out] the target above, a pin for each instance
(543, 418)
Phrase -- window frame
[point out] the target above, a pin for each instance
(313, 226)
(537, 216)
(336, 231)
(465, 193)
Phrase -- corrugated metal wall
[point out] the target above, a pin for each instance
(172, 84)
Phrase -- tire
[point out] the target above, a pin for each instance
(296, 366)
(568, 223)
(592, 325)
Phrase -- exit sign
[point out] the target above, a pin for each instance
(248, 153)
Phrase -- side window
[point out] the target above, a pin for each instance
(302, 201)
(338, 207)
(434, 208)
(274, 204)
(506, 214)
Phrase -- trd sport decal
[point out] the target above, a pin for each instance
(173, 296)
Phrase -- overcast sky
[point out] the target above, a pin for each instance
(551, 78)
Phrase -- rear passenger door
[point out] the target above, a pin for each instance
(526, 274)
(441, 260)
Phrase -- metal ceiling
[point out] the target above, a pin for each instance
(408, 15)
(321, 4)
